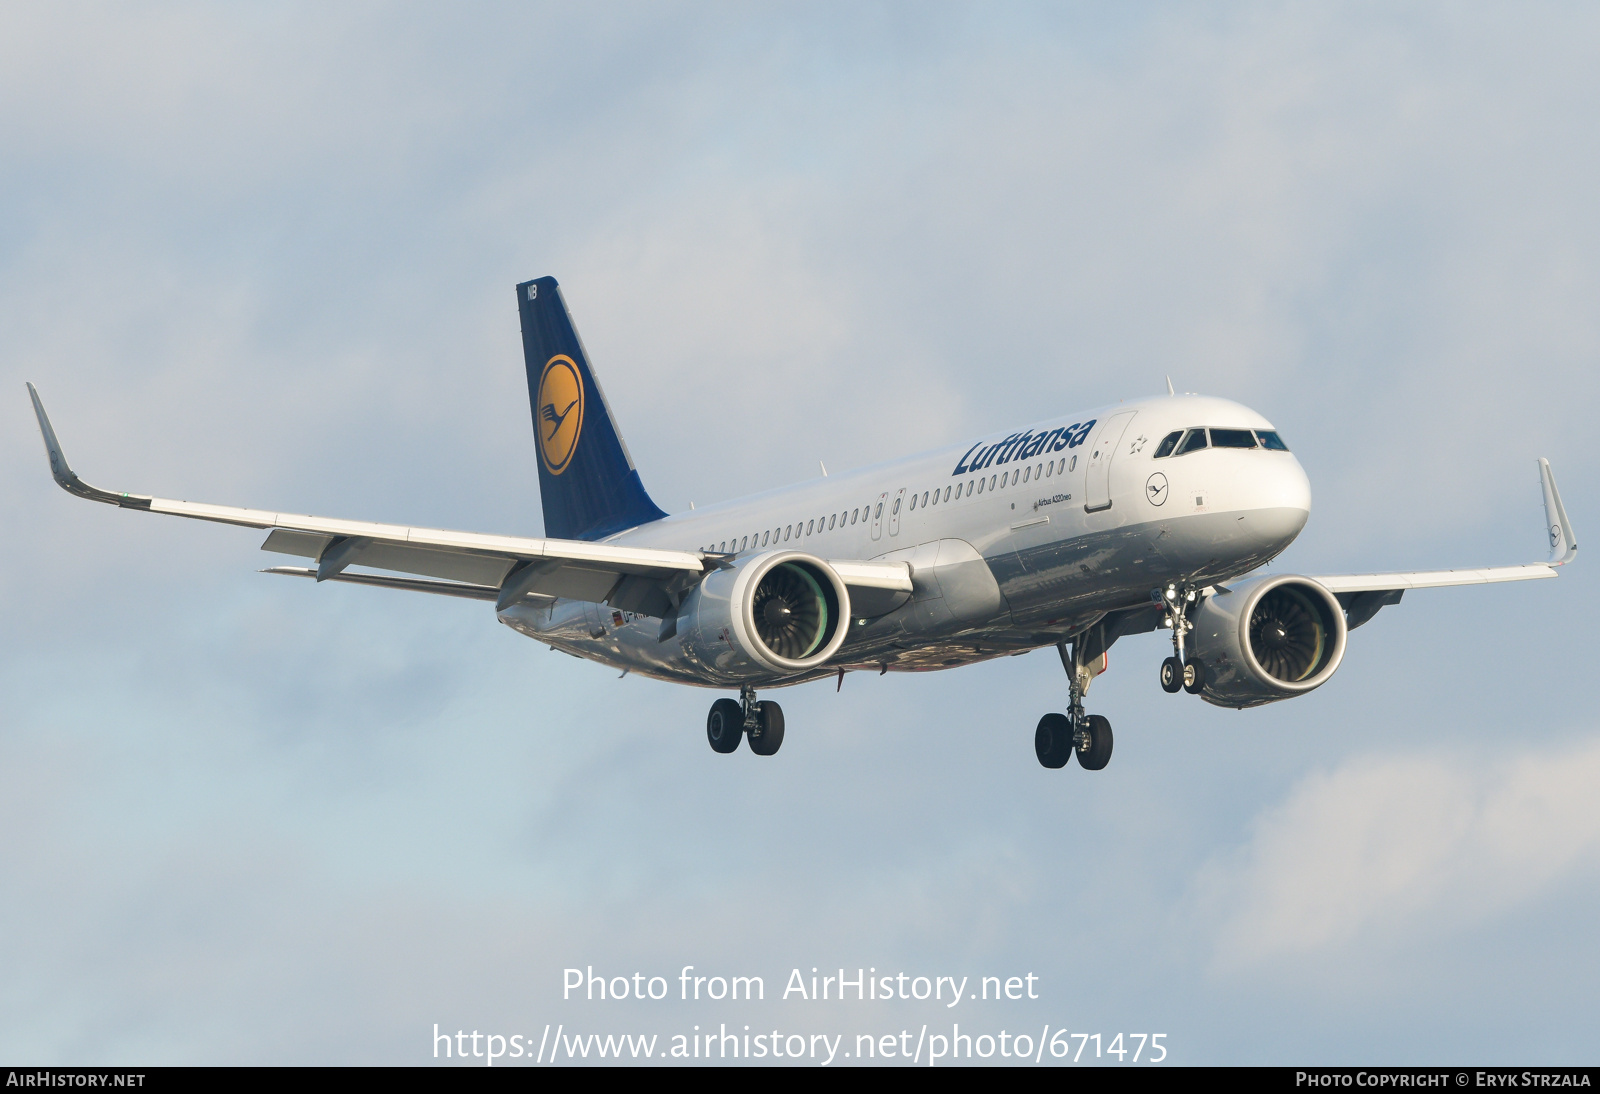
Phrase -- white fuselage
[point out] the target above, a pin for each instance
(1016, 541)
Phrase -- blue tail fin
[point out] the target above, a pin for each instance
(586, 477)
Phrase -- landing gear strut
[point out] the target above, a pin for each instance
(1177, 671)
(731, 720)
(1059, 737)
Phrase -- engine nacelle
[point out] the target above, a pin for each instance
(1267, 638)
(775, 614)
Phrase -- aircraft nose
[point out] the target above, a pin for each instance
(1291, 489)
(1282, 499)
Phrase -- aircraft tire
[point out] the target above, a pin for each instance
(1052, 741)
(725, 725)
(1098, 754)
(1171, 675)
(1194, 676)
(771, 738)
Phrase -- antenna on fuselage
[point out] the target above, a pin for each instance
(1169, 386)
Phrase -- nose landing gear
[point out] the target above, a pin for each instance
(730, 721)
(1177, 671)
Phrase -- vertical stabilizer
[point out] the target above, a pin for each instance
(587, 481)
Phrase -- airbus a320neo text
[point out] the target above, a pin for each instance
(1072, 533)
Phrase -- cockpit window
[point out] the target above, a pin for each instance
(1232, 438)
(1271, 440)
(1168, 443)
(1194, 442)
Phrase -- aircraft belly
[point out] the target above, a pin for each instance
(1048, 582)
(1026, 589)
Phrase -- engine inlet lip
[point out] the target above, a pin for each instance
(744, 593)
(1338, 632)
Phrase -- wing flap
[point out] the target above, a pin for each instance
(410, 584)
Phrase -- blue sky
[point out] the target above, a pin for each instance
(265, 256)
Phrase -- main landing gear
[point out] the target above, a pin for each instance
(1176, 671)
(731, 720)
(1060, 737)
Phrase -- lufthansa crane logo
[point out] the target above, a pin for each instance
(1155, 489)
(560, 419)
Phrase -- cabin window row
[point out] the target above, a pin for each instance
(995, 482)
(797, 530)
(925, 499)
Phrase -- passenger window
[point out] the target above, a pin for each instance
(925, 497)
(766, 538)
(809, 523)
(1271, 440)
(980, 486)
(1232, 438)
(787, 528)
(1194, 442)
(947, 493)
(853, 516)
(1027, 473)
(744, 543)
(991, 482)
(913, 504)
(722, 548)
(1072, 463)
(896, 508)
(1038, 472)
(832, 520)
(879, 512)
(1168, 443)
(1049, 468)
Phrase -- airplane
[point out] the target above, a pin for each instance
(1074, 532)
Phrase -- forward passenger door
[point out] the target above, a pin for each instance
(1097, 485)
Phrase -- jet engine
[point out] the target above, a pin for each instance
(775, 614)
(1267, 638)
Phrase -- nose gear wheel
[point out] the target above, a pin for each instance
(1177, 672)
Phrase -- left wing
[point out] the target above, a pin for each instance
(1363, 594)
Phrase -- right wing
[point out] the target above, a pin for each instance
(505, 569)
(643, 579)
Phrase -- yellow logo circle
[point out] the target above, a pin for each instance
(560, 413)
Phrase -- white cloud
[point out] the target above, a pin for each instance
(1381, 848)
